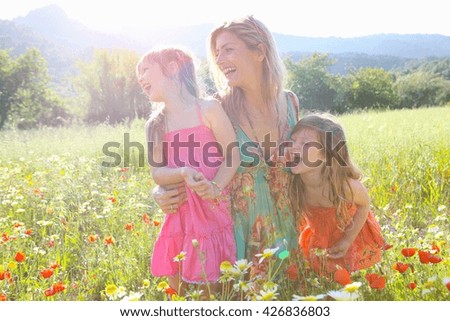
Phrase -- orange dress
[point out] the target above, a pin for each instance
(319, 231)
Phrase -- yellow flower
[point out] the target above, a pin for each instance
(176, 297)
(162, 286)
(12, 265)
(268, 253)
(134, 296)
(308, 298)
(180, 257)
(145, 283)
(111, 290)
(225, 266)
(352, 287)
(267, 296)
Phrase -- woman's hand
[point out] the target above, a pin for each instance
(204, 187)
(170, 197)
(338, 250)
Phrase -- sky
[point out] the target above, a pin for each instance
(315, 18)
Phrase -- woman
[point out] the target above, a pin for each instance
(248, 72)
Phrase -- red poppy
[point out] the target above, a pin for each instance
(54, 265)
(424, 257)
(29, 232)
(46, 273)
(20, 257)
(146, 218)
(435, 248)
(51, 243)
(129, 226)
(342, 277)
(411, 285)
(387, 246)
(292, 272)
(2, 297)
(434, 259)
(376, 281)
(5, 237)
(401, 267)
(112, 199)
(5, 275)
(58, 287)
(156, 223)
(170, 291)
(49, 292)
(124, 169)
(408, 251)
(448, 286)
(109, 240)
(92, 238)
(393, 189)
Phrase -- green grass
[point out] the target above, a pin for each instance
(52, 182)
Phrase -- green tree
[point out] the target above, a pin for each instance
(422, 88)
(25, 97)
(311, 81)
(109, 88)
(371, 88)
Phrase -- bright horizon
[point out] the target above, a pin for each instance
(325, 18)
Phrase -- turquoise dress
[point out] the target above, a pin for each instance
(261, 211)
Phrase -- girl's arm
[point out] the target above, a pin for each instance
(216, 119)
(362, 201)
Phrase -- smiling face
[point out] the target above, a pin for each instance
(307, 151)
(152, 80)
(238, 63)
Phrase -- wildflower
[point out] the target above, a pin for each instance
(441, 208)
(401, 267)
(112, 199)
(408, 252)
(270, 286)
(376, 281)
(12, 265)
(435, 249)
(162, 286)
(145, 283)
(196, 295)
(170, 291)
(308, 298)
(54, 265)
(242, 286)
(5, 237)
(176, 297)
(129, 226)
(266, 295)
(411, 285)
(342, 277)
(109, 240)
(292, 272)
(146, 218)
(92, 238)
(20, 257)
(156, 223)
(133, 296)
(180, 257)
(225, 267)
(387, 246)
(59, 287)
(352, 287)
(49, 292)
(320, 252)
(29, 232)
(343, 295)
(446, 282)
(111, 290)
(268, 253)
(3, 297)
(46, 273)
(123, 169)
(195, 243)
(242, 265)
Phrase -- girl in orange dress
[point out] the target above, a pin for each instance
(337, 229)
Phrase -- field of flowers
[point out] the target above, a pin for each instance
(72, 229)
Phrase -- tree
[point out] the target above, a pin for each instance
(110, 88)
(371, 87)
(25, 99)
(311, 81)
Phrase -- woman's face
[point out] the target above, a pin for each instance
(307, 152)
(239, 64)
(151, 80)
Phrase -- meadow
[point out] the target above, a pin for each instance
(72, 229)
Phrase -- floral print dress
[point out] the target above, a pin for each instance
(260, 207)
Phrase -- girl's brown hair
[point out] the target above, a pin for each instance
(253, 33)
(336, 172)
(156, 125)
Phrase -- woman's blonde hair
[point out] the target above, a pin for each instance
(156, 125)
(255, 35)
(337, 170)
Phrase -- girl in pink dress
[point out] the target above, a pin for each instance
(188, 142)
(337, 229)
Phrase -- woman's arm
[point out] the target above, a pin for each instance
(216, 119)
(362, 201)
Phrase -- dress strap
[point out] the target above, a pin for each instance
(199, 114)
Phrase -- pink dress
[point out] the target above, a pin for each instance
(207, 221)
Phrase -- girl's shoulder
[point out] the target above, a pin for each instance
(356, 190)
